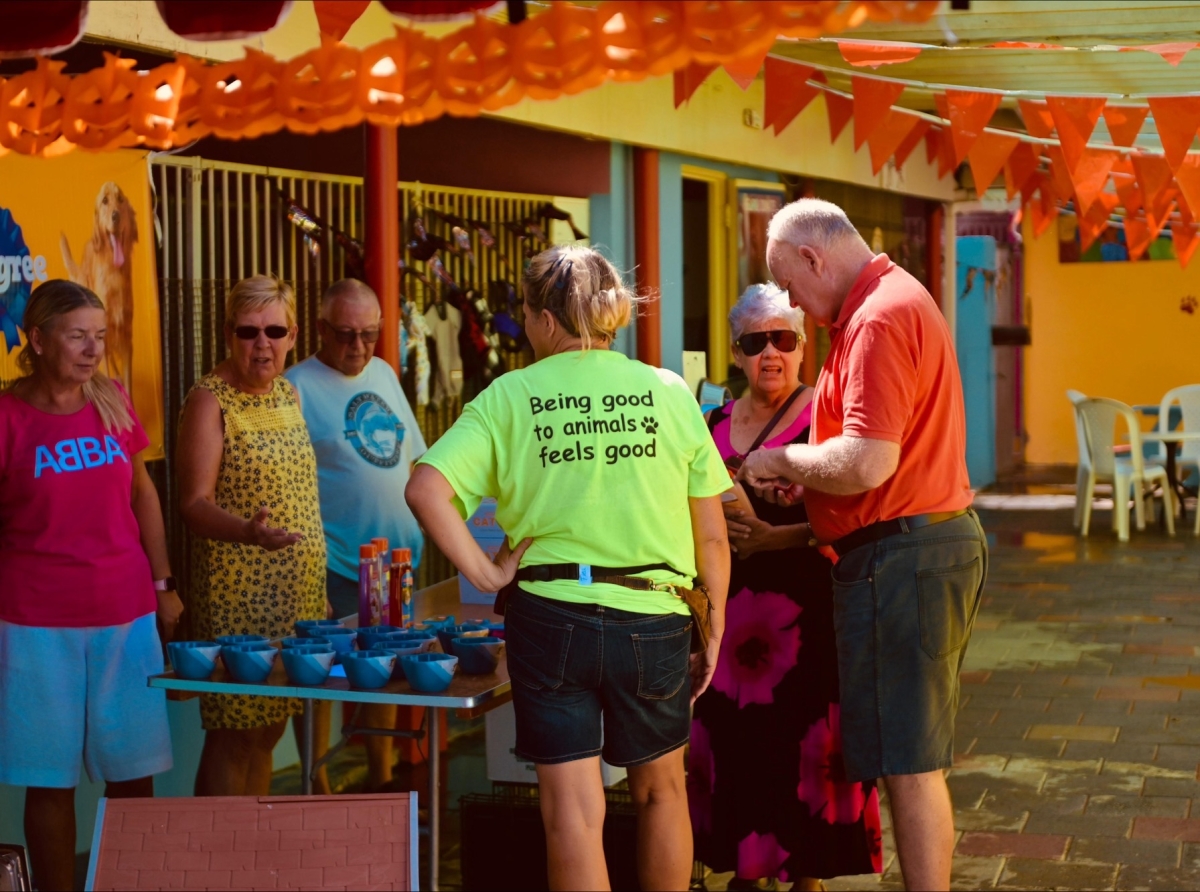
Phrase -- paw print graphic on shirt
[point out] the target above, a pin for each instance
(649, 424)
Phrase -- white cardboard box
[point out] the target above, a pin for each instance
(503, 764)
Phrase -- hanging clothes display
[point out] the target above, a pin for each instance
(417, 334)
(444, 323)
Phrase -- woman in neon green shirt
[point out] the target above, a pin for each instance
(601, 466)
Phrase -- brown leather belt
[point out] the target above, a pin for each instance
(884, 528)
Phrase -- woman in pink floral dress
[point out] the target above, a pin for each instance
(765, 779)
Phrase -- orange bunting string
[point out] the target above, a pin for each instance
(1074, 118)
(886, 138)
(872, 104)
(1124, 122)
(1177, 119)
(786, 91)
(987, 157)
(969, 114)
(840, 111)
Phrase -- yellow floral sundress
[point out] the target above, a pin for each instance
(240, 589)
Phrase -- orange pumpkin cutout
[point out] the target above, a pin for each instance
(318, 90)
(95, 113)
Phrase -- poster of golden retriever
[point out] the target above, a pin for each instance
(106, 267)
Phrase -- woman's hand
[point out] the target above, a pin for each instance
(503, 567)
(265, 537)
(703, 665)
(170, 609)
(748, 535)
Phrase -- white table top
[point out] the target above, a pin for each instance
(1170, 436)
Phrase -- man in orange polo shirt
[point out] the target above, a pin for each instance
(885, 482)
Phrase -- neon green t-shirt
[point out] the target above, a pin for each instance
(592, 455)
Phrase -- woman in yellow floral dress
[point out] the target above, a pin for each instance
(248, 495)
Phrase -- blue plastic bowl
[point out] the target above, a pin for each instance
(404, 649)
(301, 641)
(341, 638)
(478, 656)
(368, 635)
(193, 660)
(368, 669)
(251, 662)
(429, 673)
(308, 664)
(438, 622)
(447, 634)
(426, 640)
(223, 640)
(308, 628)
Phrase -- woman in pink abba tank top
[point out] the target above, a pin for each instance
(82, 544)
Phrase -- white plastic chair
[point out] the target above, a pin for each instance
(1127, 473)
(1085, 460)
(1188, 456)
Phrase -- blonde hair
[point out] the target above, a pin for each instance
(50, 301)
(582, 289)
(256, 293)
(760, 304)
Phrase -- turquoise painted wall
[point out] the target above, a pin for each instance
(612, 228)
(976, 366)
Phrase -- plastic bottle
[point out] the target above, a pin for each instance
(385, 563)
(402, 586)
(368, 586)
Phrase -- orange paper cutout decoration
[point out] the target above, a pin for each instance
(1170, 52)
(786, 92)
(336, 17)
(1124, 122)
(873, 100)
(1022, 164)
(381, 79)
(1185, 239)
(31, 109)
(96, 106)
(1074, 118)
(862, 54)
(317, 90)
(987, 157)
(970, 112)
(887, 137)
(1137, 237)
(1090, 177)
(688, 80)
(1177, 119)
(910, 142)
(157, 96)
(1038, 120)
(840, 110)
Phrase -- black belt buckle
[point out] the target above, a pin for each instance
(539, 573)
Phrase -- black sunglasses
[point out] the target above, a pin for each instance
(756, 342)
(349, 335)
(251, 332)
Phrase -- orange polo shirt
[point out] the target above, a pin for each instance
(891, 374)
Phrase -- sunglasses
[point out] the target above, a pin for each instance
(251, 332)
(349, 335)
(756, 342)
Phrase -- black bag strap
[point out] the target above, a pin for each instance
(787, 404)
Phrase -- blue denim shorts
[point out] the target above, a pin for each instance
(903, 611)
(573, 665)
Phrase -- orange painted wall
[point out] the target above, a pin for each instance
(1107, 329)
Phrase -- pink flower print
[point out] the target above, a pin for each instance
(761, 857)
(823, 787)
(762, 637)
(701, 778)
(874, 830)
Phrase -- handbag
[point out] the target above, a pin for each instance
(701, 607)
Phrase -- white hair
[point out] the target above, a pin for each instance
(811, 221)
(760, 304)
(350, 289)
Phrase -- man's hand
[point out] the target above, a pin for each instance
(759, 471)
(702, 666)
(170, 609)
(268, 538)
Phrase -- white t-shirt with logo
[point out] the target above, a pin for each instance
(366, 439)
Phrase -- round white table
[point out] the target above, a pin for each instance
(1172, 439)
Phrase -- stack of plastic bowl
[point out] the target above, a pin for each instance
(340, 638)
(193, 660)
(309, 663)
(224, 640)
(429, 673)
(368, 669)
(447, 634)
(404, 643)
(367, 636)
(249, 662)
(478, 655)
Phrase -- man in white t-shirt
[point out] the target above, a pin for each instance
(366, 440)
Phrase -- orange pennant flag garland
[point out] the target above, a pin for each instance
(987, 157)
(862, 54)
(1177, 119)
(786, 92)
(910, 142)
(970, 112)
(1021, 166)
(1124, 122)
(1170, 52)
(840, 110)
(1185, 238)
(873, 100)
(689, 79)
(886, 138)
(1074, 118)
(1038, 120)
(1090, 177)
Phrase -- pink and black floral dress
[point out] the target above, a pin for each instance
(766, 784)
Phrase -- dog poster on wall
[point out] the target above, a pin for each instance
(88, 218)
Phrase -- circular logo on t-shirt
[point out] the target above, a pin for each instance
(374, 429)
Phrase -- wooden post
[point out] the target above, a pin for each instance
(381, 200)
(646, 254)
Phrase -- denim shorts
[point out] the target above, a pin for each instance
(573, 665)
(904, 607)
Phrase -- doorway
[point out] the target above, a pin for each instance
(705, 269)
(696, 251)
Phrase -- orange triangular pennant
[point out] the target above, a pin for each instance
(987, 158)
(1188, 178)
(1022, 164)
(1185, 238)
(335, 17)
(910, 142)
(1090, 176)
(970, 112)
(862, 53)
(1092, 224)
(786, 91)
(841, 110)
(873, 100)
(688, 79)
(745, 68)
(885, 139)
(1137, 237)
(1038, 120)
(1064, 189)
(1129, 192)
(1043, 212)
(1177, 119)
(933, 142)
(1124, 122)
(1074, 118)
(946, 162)
(1153, 175)
(1158, 213)
(1171, 52)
